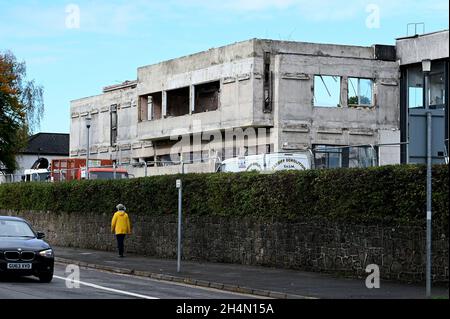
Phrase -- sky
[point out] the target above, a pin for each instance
(75, 48)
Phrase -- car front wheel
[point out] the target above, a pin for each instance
(46, 278)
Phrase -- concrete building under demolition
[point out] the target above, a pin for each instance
(253, 97)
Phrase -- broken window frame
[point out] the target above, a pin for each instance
(357, 91)
(322, 81)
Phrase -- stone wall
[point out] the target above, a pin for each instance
(312, 245)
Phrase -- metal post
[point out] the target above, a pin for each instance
(87, 155)
(428, 267)
(180, 200)
(88, 125)
(182, 163)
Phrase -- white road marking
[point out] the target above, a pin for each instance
(106, 288)
(177, 283)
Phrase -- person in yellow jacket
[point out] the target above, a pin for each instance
(121, 226)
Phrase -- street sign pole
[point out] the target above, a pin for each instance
(180, 200)
(428, 267)
(88, 126)
(426, 68)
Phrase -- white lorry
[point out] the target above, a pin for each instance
(267, 162)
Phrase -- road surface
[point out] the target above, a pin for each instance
(95, 284)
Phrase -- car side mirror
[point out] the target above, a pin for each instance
(40, 235)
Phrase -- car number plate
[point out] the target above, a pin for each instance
(19, 266)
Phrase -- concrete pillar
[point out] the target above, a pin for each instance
(344, 92)
(263, 139)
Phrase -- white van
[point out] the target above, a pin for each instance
(36, 175)
(267, 162)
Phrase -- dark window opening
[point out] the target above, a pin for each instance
(113, 125)
(167, 160)
(207, 97)
(178, 102)
(149, 160)
(327, 156)
(267, 84)
(150, 107)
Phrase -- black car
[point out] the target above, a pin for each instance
(22, 250)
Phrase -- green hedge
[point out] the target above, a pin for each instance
(387, 194)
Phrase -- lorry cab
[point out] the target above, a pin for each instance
(68, 169)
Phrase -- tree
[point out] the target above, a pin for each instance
(21, 109)
(363, 100)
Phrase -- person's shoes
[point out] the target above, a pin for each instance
(121, 256)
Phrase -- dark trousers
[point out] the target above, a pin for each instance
(120, 243)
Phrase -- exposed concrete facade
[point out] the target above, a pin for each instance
(265, 87)
(414, 49)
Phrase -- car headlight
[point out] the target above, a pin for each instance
(46, 253)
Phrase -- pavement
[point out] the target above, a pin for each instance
(250, 280)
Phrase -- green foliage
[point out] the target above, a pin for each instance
(21, 108)
(363, 100)
(390, 195)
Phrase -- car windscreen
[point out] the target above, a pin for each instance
(15, 228)
(107, 175)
